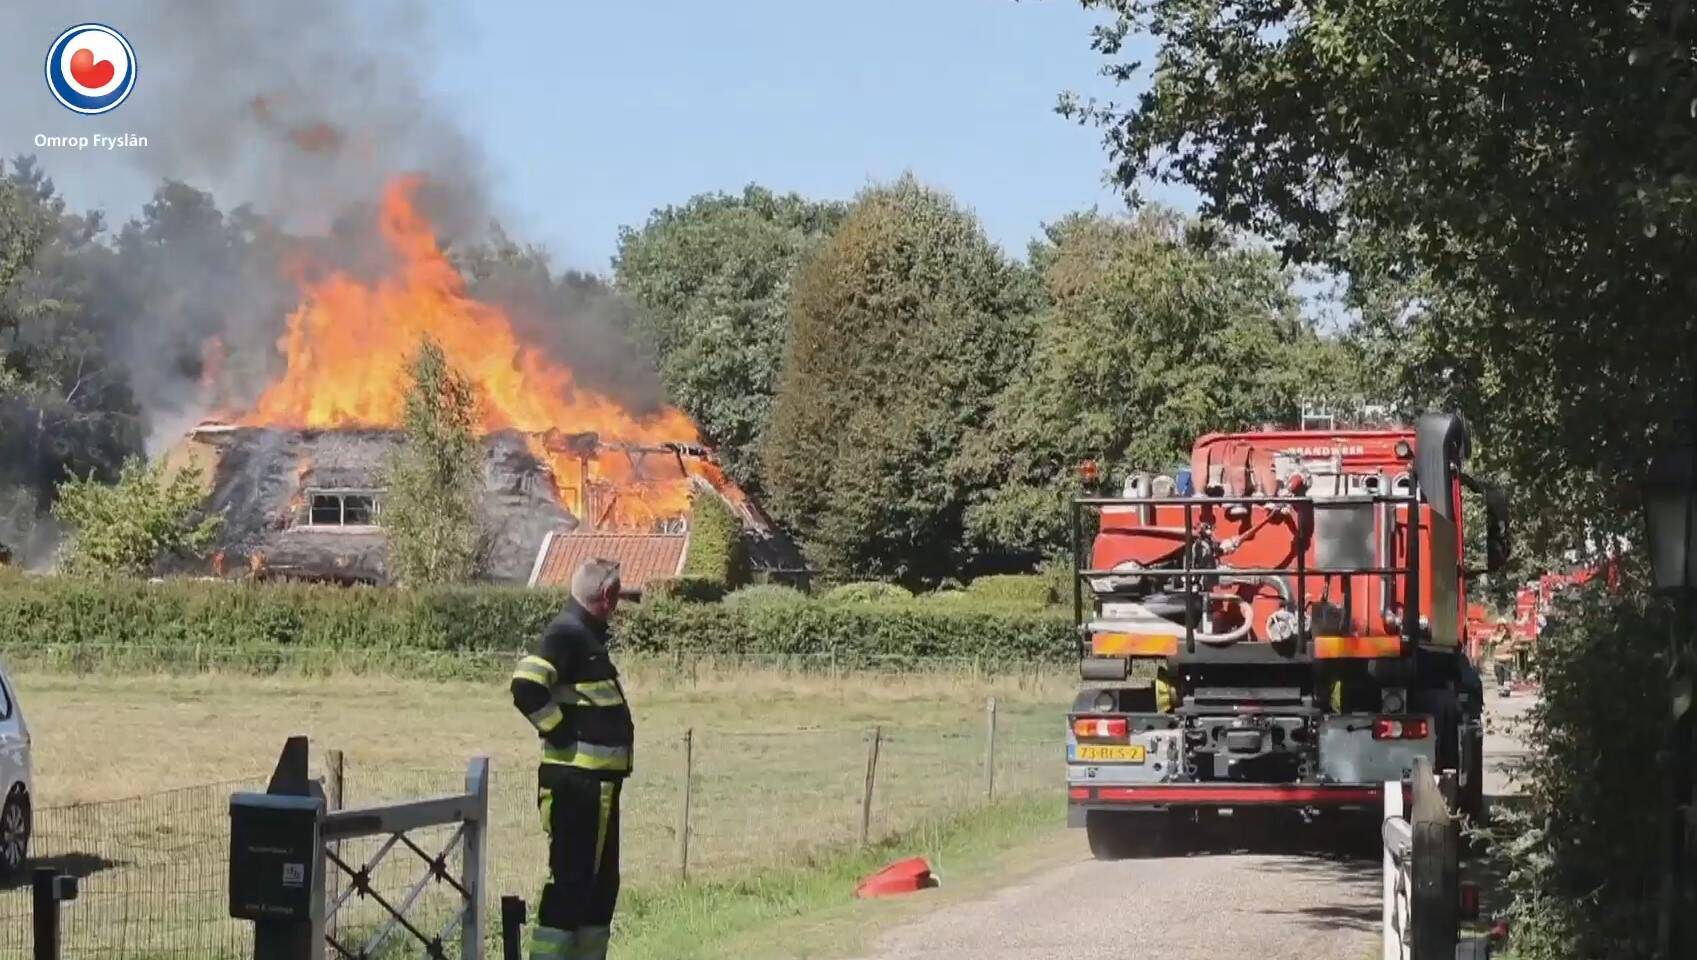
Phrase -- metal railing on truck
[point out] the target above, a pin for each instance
(1409, 573)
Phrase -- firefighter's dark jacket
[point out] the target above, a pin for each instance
(570, 692)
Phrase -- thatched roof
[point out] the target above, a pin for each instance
(263, 480)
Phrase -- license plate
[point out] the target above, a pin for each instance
(1115, 753)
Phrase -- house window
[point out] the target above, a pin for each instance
(343, 509)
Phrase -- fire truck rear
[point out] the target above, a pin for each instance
(1280, 625)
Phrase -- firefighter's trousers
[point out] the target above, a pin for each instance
(581, 816)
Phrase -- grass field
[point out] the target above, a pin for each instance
(779, 767)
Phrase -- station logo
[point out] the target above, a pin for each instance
(91, 68)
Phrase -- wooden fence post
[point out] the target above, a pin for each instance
(683, 812)
(334, 798)
(871, 778)
(990, 750)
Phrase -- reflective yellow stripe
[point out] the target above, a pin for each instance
(547, 718)
(601, 826)
(597, 693)
(592, 943)
(589, 756)
(545, 805)
(536, 670)
(546, 943)
(1330, 648)
(1133, 645)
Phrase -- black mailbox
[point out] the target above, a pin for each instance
(274, 844)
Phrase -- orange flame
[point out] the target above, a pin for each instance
(347, 347)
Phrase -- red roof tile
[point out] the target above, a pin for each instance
(641, 556)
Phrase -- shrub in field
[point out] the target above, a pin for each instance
(127, 527)
(716, 550)
(1034, 590)
(870, 591)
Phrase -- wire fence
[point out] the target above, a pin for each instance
(155, 868)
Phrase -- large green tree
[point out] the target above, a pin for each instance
(66, 409)
(429, 508)
(905, 325)
(1510, 186)
(1155, 333)
(713, 279)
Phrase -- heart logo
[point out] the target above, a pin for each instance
(88, 73)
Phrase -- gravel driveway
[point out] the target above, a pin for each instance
(1254, 890)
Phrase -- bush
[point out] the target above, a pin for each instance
(716, 549)
(1581, 859)
(870, 591)
(1034, 590)
(765, 593)
(685, 589)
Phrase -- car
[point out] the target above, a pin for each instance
(16, 818)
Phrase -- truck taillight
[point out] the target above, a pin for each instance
(1101, 728)
(1401, 728)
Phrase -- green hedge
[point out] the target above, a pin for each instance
(1029, 589)
(226, 616)
(867, 591)
(850, 633)
(53, 610)
(686, 589)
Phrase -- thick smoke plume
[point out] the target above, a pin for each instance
(292, 116)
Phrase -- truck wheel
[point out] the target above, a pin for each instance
(1123, 836)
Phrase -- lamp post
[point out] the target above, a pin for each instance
(1670, 509)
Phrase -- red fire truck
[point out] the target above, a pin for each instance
(1283, 624)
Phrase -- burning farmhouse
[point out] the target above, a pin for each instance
(567, 470)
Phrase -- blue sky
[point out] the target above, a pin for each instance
(592, 113)
(642, 104)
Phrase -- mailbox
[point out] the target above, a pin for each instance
(274, 851)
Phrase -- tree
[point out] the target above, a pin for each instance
(429, 508)
(66, 410)
(1156, 332)
(126, 528)
(904, 325)
(713, 279)
(1510, 182)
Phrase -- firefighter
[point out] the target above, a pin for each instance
(569, 690)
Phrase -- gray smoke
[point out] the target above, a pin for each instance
(302, 108)
(292, 116)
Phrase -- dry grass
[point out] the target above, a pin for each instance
(779, 763)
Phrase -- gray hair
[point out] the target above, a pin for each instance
(592, 578)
